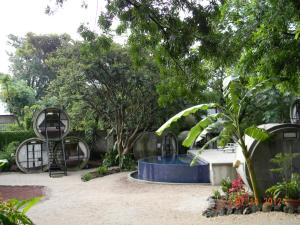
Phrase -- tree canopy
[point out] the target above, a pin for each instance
(259, 39)
(28, 62)
(98, 76)
(16, 94)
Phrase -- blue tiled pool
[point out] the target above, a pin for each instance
(173, 169)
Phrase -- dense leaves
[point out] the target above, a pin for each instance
(98, 77)
(14, 211)
(231, 118)
(28, 62)
(16, 94)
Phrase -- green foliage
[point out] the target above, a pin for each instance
(8, 152)
(264, 48)
(98, 76)
(216, 194)
(13, 211)
(226, 185)
(232, 114)
(257, 133)
(14, 136)
(195, 45)
(232, 117)
(284, 162)
(184, 113)
(290, 186)
(198, 128)
(102, 170)
(16, 94)
(28, 62)
(125, 162)
(287, 189)
(110, 158)
(86, 177)
(3, 163)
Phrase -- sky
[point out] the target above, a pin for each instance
(19, 17)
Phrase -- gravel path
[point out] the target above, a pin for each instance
(114, 200)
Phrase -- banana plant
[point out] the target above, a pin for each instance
(14, 211)
(231, 117)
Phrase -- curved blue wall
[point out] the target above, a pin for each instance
(173, 170)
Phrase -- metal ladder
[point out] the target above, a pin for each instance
(56, 151)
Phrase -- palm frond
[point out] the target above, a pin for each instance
(198, 128)
(258, 134)
(199, 152)
(185, 113)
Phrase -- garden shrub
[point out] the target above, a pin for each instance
(102, 170)
(216, 194)
(7, 137)
(87, 177)
(110, 158)
(8, 152)
(126, 162)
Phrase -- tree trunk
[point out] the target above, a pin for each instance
(251, 172)
(253, 180)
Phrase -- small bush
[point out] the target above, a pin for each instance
(216, 194)
(128, 163)
(110, 158)
(226, 185)
(87, 177)
(125, 162)
(8, 153)
(102, 170)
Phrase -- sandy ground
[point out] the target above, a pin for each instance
(115, 200)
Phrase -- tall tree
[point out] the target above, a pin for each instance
(28, 60)
(16, 94)
(100, 75)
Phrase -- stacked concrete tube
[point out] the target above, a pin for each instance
(51, 126)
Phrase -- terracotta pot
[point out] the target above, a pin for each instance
(292, 202)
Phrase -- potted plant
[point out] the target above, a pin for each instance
(289, 188)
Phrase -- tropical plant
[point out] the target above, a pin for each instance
(287, 189)
(232, 117)
(226, 185)
(8, 152)
(3, 163)
(14, 211)
(216, 194)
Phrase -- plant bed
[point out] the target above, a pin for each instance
(100, 172)
(236, 200)
(21, 192)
